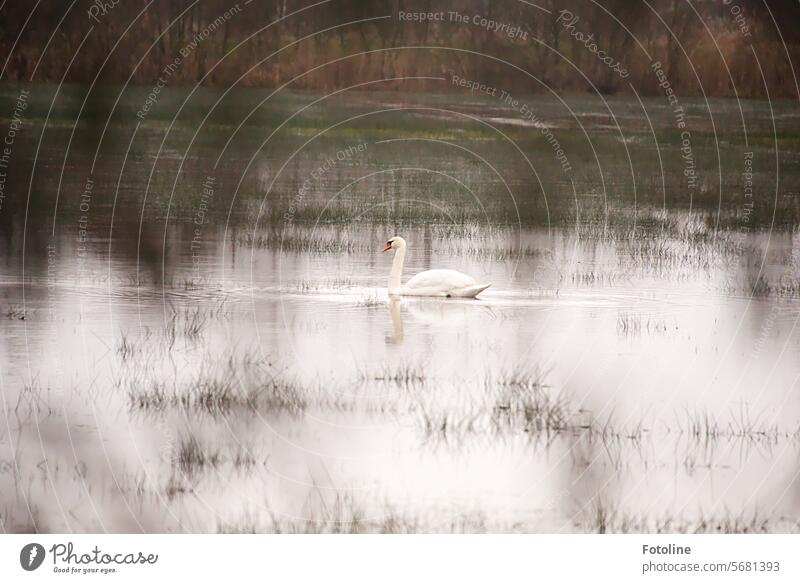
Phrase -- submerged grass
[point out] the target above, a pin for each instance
(404, 374)
(601, 518)
(512, 401)
(15, 312)
(219, 396)
(650, 243)
(702, 426)
(193, 457)
(344, 513)
(525, 403)
(635, 324)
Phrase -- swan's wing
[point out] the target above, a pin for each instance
(442, 280)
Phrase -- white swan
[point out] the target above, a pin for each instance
(434, 282)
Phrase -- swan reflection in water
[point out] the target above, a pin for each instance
(397, 322)
(430, 311)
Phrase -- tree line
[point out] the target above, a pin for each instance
(712, 47)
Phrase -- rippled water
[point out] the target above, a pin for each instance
(261, 379)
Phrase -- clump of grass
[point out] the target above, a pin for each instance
(442, 424)
(759, 287)
(703, 426)
(185, 323)
(194, 323)
(349, 212)
(522, 401)
(733, 524)
(192, 457)
(512, 401)
(15, 312)
(337, 283)
(603, 519)
(175, 487)
(515, 377)
(595, 277)
(402, 374)
(126, 348)
(372, 301)
(190, 323)
(300, 241)
(31, 399)
(629, 324)
(345, 514)
(599, 518)
(611, 432)
(531, 408)
(245, 525)
(788, 286)
(244, 459)
(220, 396)
(487, 242)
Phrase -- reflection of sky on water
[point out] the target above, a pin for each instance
(632, 349)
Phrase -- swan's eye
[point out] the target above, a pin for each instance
(389, 243)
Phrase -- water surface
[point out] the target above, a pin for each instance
(212, 348)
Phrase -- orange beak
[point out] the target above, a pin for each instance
(386, 247)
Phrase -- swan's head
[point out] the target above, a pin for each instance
(394, 243)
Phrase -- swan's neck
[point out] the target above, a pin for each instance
(397, 270)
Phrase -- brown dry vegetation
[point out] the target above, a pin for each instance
(702, 46)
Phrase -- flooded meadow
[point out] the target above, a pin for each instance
(197, 333)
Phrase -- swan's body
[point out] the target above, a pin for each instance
(432, 283)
